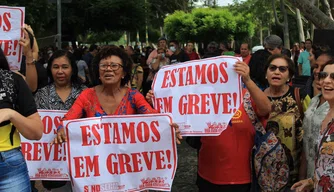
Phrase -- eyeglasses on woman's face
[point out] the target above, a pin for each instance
(323, 75)
(282, 69)
(112, 66)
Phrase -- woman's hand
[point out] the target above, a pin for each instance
(60, 137)
(303, 185)
(26, 44)
(242, 69)
(149, 97)
(178, 133)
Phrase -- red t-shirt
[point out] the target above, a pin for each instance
(225, 159)
(247, 59)
(192, 55)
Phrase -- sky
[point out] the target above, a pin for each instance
(225, 2)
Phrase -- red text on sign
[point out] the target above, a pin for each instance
(5, 24)
(120, 133)
(37, 151)
(85, 166)
(198, 74)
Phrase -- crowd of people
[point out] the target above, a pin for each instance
(116, 80)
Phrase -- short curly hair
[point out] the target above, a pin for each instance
(108, 51)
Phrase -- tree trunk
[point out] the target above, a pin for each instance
(331, 4)
(286, 26)
(313, 14)
(300, 26)
(261, 34)
(326, 8)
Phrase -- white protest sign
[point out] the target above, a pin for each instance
(202, 95)
(11, 22)
(121, 153)
(46, 161)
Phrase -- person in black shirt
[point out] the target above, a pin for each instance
(178, 55)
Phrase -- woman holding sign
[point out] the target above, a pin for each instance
(224, 160)
(60, 94)
(18, 114)
(111, 71)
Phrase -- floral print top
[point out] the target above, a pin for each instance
(324, 166)
(314, 116)
(88, 105)
(286, 122)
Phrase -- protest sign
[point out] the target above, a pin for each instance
(46, 161)
(121, 153)
(202, 95)
(11, 22)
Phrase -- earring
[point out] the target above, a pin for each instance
(266, 77)
(122, 77)
(288, 80)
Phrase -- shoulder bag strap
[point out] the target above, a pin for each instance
(299, 103)
(251, 114)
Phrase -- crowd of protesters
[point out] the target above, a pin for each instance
(95, 81)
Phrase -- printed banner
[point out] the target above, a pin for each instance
(121, 153)
(46, 161)
(202, 95)
(11, 22)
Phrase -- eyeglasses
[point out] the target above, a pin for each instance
(323, 75)
(113, 66)
(282, 69)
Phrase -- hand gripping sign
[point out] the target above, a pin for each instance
(121, 153)
(46, 161)
(202, 95)
(11, 22)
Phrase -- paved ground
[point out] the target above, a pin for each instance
(186, 170)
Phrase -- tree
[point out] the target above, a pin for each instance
(284, 24)
(208, 24)
(314, 14)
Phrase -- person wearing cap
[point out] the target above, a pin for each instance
(304, 65)
(273, 44)
(162, 43)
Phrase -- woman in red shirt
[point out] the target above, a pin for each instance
(111, 71)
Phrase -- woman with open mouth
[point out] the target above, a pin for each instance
(323, 179)
(288, 104)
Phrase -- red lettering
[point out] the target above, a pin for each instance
(129, 132)
(181, 70)
(8, 25)
(92, 166)
(117, 137)
(47, 122)
(154, 128)
(106, 128)
(173, 78)
(227, 102)
(212, 73)
(95, 131)
(124, 163)
(148, 159)
(223, 72)
(160, 158)
(189, 76)
(26, 149)
(37, 151)
(85, 135)
(57, 122)
(112, 166)
(57, 151)
(205, 102)
(215, 101)
(200, 73)
(136, 162)
(193, 101)
(143, 132)
(166, 77)
(47, 150)
(165, 104)
(183, 105)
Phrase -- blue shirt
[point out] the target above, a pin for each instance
(305, 62)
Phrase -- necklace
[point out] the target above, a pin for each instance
(271, 97)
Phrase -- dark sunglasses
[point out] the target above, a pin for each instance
(282, 69)
(322, 75)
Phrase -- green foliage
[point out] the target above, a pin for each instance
(208, 24)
